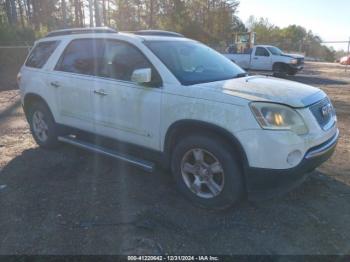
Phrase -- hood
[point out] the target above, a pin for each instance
(293, 55)
(270, 89)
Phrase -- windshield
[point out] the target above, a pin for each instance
(193, 63)
(275, 50)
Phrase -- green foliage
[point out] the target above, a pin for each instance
(211, 21)
(12, 35)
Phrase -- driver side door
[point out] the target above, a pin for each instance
(261, 59)
(122, 109)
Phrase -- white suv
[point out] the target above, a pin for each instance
(157, 97)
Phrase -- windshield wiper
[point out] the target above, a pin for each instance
(241, 75)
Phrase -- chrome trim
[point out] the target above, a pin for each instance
(330, 124)
(325, 148)
(145, 165)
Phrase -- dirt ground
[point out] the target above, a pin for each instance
(72, 202)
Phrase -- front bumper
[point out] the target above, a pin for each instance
(297, 67)
(266, 183)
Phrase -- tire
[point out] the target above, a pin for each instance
(279, 70)
(229, 183)
(292, 72)
(42, 125)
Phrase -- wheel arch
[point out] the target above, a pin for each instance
(187, 127)
(32, 98)
(275, 64)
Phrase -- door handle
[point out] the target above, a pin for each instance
(55, 84)
(100, 92)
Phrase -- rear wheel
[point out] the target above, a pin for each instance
(42, 125)
(207, 172)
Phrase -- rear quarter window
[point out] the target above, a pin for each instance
(41, 53)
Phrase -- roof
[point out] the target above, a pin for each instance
(86, 30)
(105, 32)
(265, 45)
(157, 33)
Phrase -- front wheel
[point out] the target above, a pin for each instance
(207, 172)
(292, 71)
(279, 70)
(42, 126)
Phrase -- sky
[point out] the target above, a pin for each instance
(329, 19)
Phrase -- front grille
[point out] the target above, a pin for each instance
(317, 111)
(300, 61)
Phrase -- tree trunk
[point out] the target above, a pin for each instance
(28, 11)
(64, 12)
(91, 13)
(82, 11)
(11, 11)
(97, 13)
(14, 11)
(35, 8)
(76, 13)
(21, 12)
(104, 15)
(108, 12)
(139, 12)
(8, 11)
(151, 14)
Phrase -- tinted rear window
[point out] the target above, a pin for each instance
(82, 56)
(41, 53)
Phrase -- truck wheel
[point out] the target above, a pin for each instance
(292, 72)
(206, 172)
(279, 70)
(42, 125)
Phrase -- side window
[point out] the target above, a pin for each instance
(121, 59)
(260, 51)
(82, 56)
(41, 53)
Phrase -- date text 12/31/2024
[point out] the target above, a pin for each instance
(173, 258)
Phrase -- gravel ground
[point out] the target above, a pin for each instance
(72, 202)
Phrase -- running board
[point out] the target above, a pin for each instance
(145, 165)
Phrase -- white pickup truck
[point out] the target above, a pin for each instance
(268, 58)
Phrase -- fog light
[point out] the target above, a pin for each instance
(294, 157)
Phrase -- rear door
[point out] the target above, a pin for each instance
(74, 79)
(261, 59)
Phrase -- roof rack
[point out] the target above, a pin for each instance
(87, 30)
(157, 33)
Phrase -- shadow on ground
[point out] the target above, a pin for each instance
(72, 202)
(10, 109)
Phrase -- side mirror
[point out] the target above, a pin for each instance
(142, 76)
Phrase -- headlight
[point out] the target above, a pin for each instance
(294, 61)
(280, 117)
